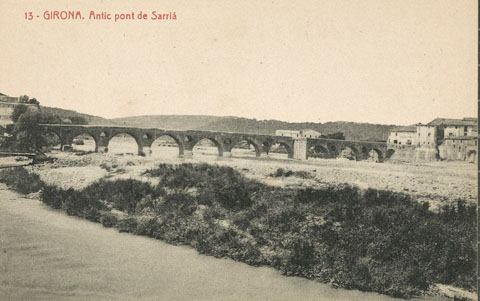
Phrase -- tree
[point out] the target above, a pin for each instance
(18, 111)
(33, 101)
(336, 135)
(24, 99)
(29, 136)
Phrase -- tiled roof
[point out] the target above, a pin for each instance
(452, 122)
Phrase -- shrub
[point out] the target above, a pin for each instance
(368, 240)
(20, 180)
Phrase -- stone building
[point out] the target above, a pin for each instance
(456, 127)
(442, 138)
(402, 135)
(463, 148)
(7, 104)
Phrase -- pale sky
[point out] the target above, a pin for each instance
(377, 61)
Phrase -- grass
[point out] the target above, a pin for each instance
(368, 240)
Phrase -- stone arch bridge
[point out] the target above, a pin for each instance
(224, 141)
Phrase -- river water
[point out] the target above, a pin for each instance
(47, 255)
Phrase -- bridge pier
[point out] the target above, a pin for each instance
(300, 149)
(147, 151)
(186, 154)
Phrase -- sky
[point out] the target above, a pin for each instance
(376, 61)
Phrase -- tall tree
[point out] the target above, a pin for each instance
(28, 135)
(18, 110)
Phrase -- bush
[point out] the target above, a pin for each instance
(368, 240)
(20, 180)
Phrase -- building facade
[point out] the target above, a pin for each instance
(7, 105)
(307, 133)
(402, 135)
(440, 139)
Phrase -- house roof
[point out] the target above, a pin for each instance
(453, 122)
(410, 128)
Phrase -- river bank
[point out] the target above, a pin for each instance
(438, 183)
(48, 255)
(300, 233)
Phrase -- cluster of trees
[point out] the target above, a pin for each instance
(28, 100)
(26, 130)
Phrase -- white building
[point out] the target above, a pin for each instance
(7, 104)
(307, 133)
(402, 135)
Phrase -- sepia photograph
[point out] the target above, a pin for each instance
(239, 150)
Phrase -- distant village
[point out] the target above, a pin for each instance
(440, 139)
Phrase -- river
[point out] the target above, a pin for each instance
(47, 255)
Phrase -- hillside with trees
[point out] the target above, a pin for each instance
(73, 116)
(351, 130)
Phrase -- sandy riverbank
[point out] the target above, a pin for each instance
(436, 182)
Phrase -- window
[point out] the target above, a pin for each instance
(395, 141)
(429, 134)
(409, 142)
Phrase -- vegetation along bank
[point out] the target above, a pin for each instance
(369, 240)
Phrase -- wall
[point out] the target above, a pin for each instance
(401, 138)
(426, 136)
(403, 153)
(464, 149)
(459, 131)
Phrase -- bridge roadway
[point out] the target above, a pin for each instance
(186, 140)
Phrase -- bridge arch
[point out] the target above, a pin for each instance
(169, 139)
(376, 154)
(53, 139)
(319, 151)
(211, 139)
(79, 143)
(472, 156)
(249, 142)
(349, 152)
(285, 145)
(117, 144)
(389, 153)
(333, 150)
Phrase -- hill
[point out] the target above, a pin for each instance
(351, 130)
(69, 113)
(171, 122)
